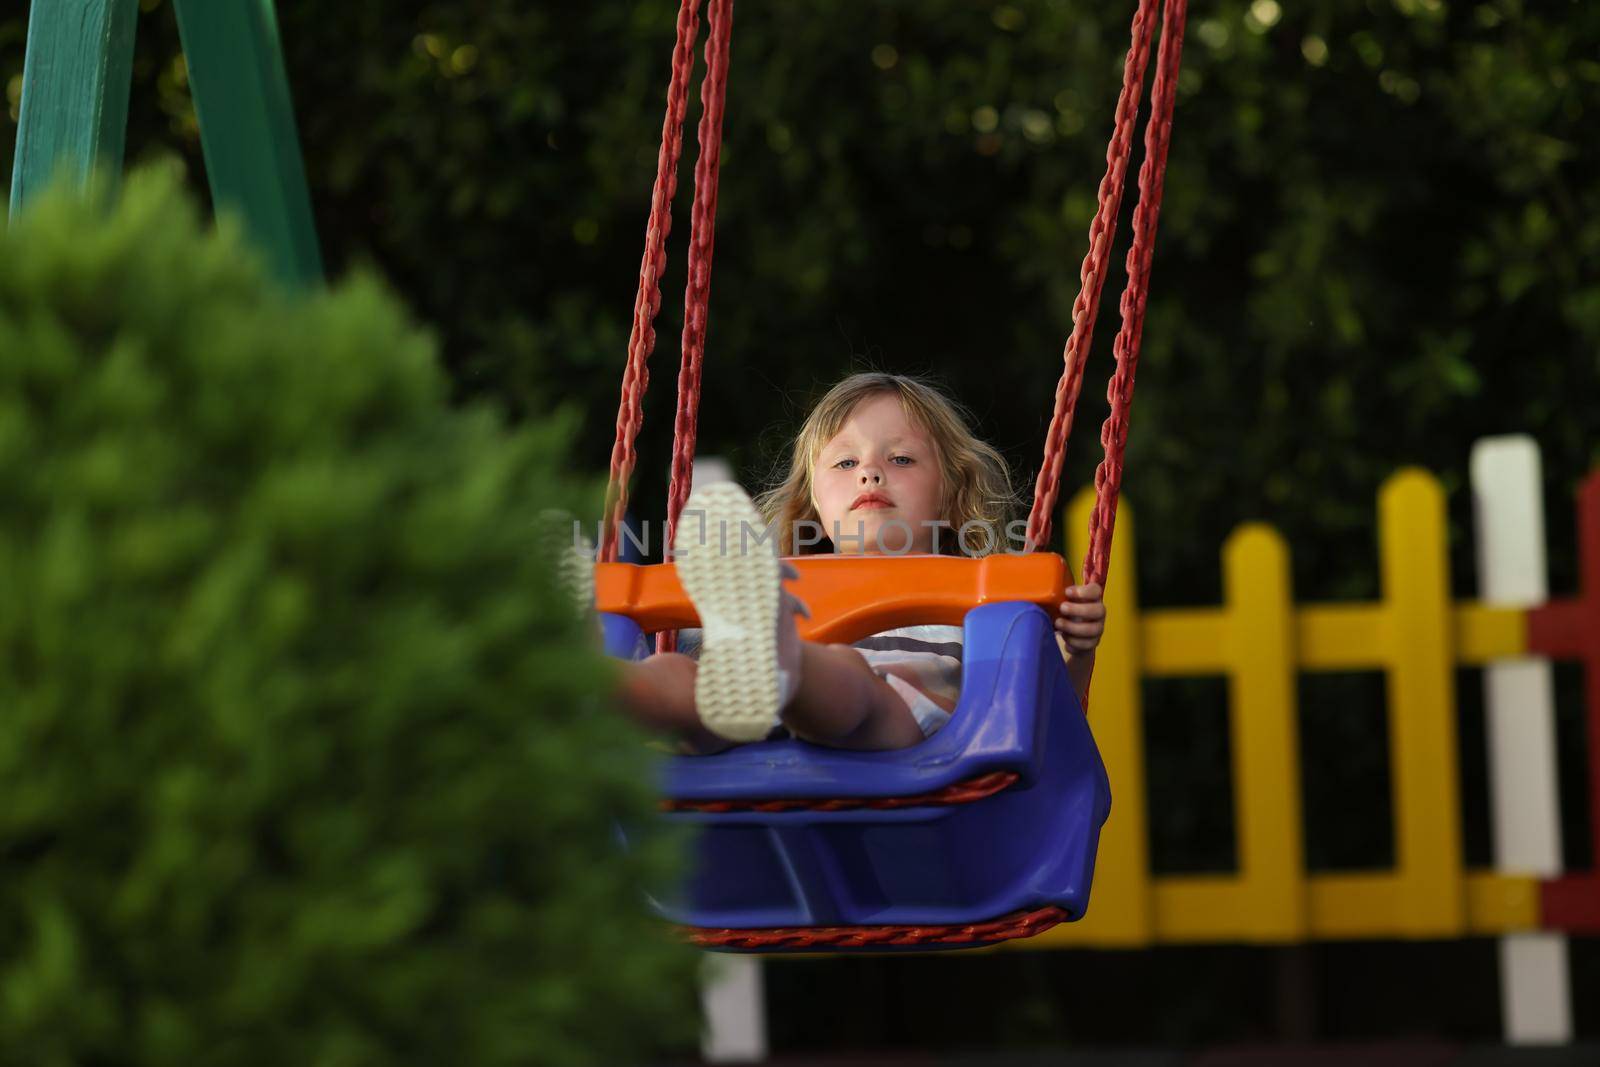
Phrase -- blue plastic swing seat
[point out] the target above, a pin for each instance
(1028, 846)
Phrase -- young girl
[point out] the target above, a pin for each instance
(884, 465)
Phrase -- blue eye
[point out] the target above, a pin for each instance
(908, 459)
(842, 462)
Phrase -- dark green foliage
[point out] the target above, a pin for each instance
(305, 757)
(1379, 239)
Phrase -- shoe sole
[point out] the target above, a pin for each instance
(577, 576)
(574, 560)
(734, 586)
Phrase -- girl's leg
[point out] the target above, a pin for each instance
(658, 693)
(842, 702)
(828, 693)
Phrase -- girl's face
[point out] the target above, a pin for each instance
(876, 483)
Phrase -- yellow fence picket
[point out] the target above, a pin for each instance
(1253, 633)
(1424, 895)
(1120, 907)
(1259, 640)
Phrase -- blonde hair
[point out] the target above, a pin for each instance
(975, 483)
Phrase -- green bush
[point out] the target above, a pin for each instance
(304, 758)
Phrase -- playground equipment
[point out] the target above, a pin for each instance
(1025, 735)
(73, 115)
(73, 112)
(998, 814)
(988, 831)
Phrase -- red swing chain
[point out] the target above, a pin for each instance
(1018, 924)
(1146, 216)
(1102, 232)
(647, 302)
(1091, 277)
(1108, 476)
(697, 291)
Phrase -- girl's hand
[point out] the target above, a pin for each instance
(1083, 618)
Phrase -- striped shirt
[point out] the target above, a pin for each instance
(929, 657)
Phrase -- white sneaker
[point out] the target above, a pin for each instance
(750, 650)
(574, 562)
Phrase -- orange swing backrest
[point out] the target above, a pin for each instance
(851, 597)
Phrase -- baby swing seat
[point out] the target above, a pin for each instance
(987, 830)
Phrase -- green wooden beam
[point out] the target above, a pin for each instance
(74, 109)
(241, 97)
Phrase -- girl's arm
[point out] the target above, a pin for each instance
(1079, 667)
(1079, 627)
